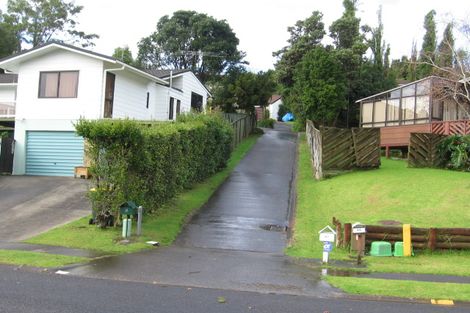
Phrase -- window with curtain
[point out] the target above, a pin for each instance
(393, 113)
(422, 107)
(379, 111)
(408, 108)
(367, 108)
(58, 84)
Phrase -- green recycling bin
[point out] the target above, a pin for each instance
(398, 249)
(381, 248)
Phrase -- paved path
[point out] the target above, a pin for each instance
(237, 240)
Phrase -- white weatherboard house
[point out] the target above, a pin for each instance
(58, 84)
(273, 106)
(7, 95)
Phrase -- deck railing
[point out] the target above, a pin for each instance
(459, 127)
(7, 109)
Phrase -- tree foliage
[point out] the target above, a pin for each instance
(242, 90)
(359, 76)
(9, 43)
(191, 40)
(446, 47)
(428, 49)
(304, 35)
(37, 22)
(124, 54)
(320, 87)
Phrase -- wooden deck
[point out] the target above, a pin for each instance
(399, 136)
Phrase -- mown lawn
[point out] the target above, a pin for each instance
(402, 288)
(37, 259)
(421, 197)
(163, 226)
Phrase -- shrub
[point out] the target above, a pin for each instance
(266, 123)
(283, 110)
(149, 163)
(455, 151)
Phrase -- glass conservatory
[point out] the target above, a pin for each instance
(411, 108)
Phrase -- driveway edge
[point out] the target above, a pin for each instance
(292, 205)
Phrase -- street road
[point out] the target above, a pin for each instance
(25, 290)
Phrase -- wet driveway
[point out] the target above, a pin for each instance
(30, 205)
(249, 212)
(237, 240)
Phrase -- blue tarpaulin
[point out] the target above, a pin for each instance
(288, 117)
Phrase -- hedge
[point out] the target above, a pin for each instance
(149, 163)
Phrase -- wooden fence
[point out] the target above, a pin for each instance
(423, 150)
(315, 145)
(421, 238)
(243, 125)
(343, 149)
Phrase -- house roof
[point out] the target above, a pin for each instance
(274, 98)
(165, 73)
(8, 78)
(157, 75)
(13, 60)
(396, 88)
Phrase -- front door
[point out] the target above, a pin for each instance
(109, 95)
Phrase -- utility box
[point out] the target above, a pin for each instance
(358, 239)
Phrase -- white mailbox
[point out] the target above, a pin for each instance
(327, 234)
(358, 228)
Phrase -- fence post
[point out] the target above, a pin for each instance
(347, 234)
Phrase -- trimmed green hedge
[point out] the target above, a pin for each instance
(150, 162)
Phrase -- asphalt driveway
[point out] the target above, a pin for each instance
(30, 205)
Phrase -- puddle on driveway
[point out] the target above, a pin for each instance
(273, 227)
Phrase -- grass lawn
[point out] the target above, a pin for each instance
(163, 226)
(421, 197)
(401, 288)
(37, 259)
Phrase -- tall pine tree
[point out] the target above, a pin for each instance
(445, 50)
(428, 50)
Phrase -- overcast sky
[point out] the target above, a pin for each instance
(261, 25)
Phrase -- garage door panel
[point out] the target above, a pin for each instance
(52, 153)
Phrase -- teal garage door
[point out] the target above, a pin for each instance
(53, 153)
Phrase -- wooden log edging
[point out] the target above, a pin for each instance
(421, 238)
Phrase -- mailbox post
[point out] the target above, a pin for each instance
(327, 236)
(127, 209)
(358, 239)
